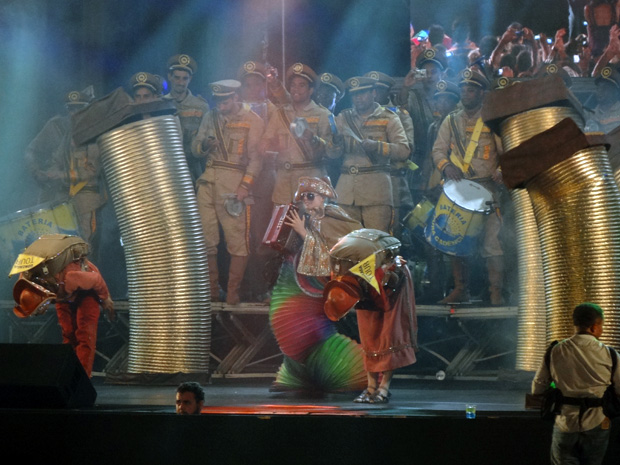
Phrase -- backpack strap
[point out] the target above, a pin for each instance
(548, 355)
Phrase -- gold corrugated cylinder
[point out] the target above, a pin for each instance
(577, 208)
(531, 333)
(165, 250)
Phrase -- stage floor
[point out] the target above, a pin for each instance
(410, 397)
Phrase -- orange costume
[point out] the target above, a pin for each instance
(83, 288)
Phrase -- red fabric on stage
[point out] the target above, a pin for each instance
(389, 333)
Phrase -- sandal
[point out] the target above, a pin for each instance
(364, 398)
(381, 396)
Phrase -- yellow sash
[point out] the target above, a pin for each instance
(464, 163)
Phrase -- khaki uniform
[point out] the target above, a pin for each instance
(297, 157)
(403, 202)
(483, 165)
(41, 162)
(225, 172)
(364, 188)
(190, 111)
(422, 112)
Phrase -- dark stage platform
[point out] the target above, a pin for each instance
(245, 423)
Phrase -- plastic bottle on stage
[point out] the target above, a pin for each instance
(470, 411)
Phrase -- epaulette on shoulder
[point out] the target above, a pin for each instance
(389, 110)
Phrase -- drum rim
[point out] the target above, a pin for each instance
(483, 189)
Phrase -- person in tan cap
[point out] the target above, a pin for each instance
(227, 138)
(41, 154)
(467, 149)
(371, 137)
(400, 169)
(253, 78)
(326, 224)
(190, 108)
(145, 87)
(330, 91)
(299, 154)
(417, 94)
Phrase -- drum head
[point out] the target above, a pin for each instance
(468, 195)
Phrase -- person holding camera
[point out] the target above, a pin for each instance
(581, 368)
(417, 94)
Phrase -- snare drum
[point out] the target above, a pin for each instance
(417, 219)
(459, 217)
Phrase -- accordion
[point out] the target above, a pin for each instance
(280, 236)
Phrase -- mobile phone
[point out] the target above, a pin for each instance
(575, 58)
(537, 37)
(500, 71)
(419, 73)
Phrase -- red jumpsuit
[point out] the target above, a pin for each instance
(81, 290)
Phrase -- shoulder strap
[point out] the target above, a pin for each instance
(614, 362)
(287, 124)
(218, 133)
(349, 117)
(548, 355)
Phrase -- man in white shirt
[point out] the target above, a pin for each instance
(581, 367)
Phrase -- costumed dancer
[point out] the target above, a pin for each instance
(370, 277)
(54, 269)
(317, 357)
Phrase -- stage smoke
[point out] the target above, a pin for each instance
(532, 331)
(167, 271)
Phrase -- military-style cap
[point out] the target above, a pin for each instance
(299, 69)
(252, 67)
(182, 62)
(358, 83)
(224, 88)
(548, 69)
(321, 186)
(608, 74)
(334, 81)
(501, 82)
(448, 88)
(148, 80)
(474, 77)
(75, 97)
(383, 80)
(431, 55)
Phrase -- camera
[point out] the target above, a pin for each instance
(419, 73)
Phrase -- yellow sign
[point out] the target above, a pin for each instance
(25, 262)
(366, 270)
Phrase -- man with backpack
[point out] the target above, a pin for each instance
(582, 369)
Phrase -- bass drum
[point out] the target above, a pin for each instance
(459, 217)
(20, 229)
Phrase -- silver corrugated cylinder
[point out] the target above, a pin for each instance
(577, 208)
(532, 332)
(165, 250)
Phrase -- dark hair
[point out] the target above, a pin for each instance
(587, 314)
(487, 45)
(192, 386)
(524, 61)
(436, 34)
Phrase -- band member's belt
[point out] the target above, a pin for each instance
(298, 166)
(224, 164)
(364, 169)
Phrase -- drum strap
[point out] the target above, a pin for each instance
(463, 159)
(75, 187)
(302, 148)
